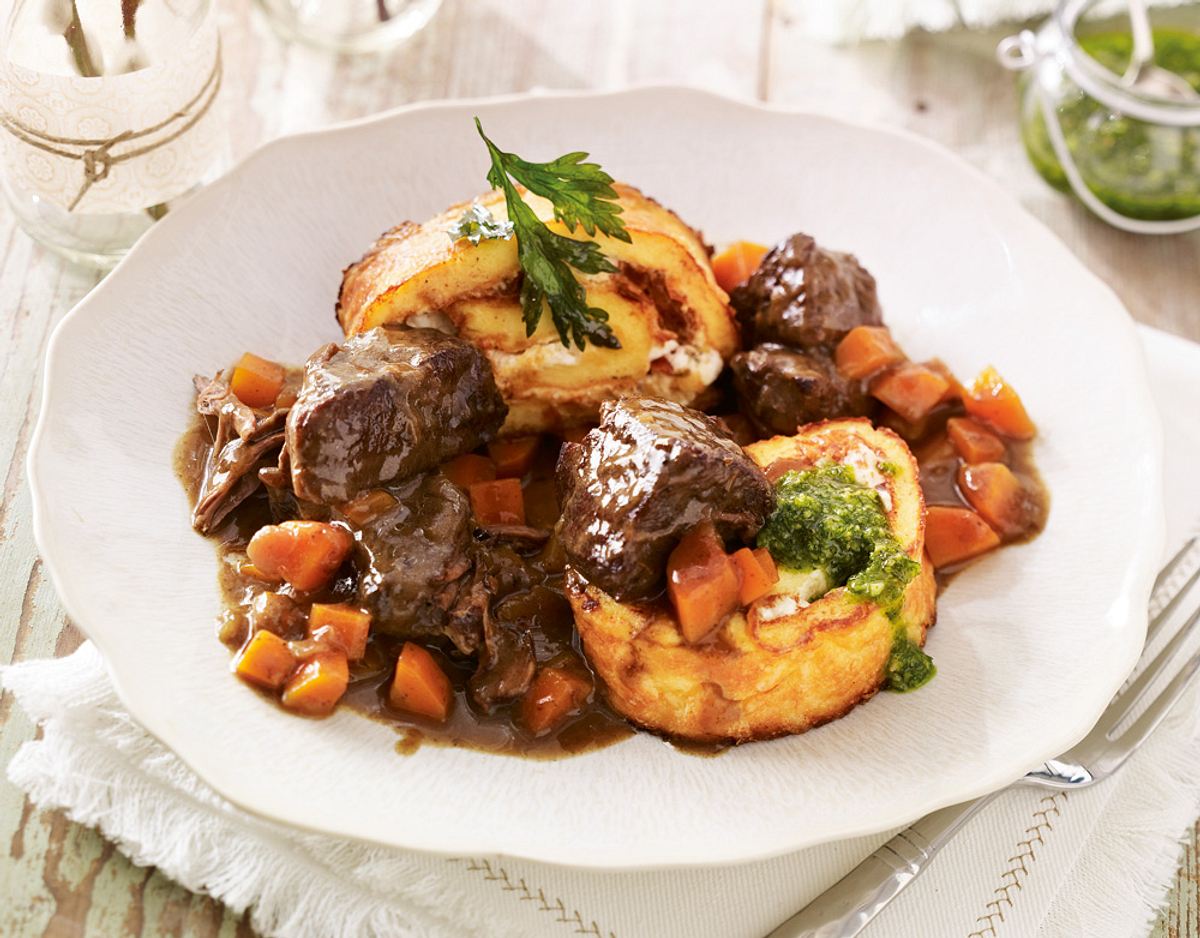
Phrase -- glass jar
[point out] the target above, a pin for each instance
(1133, 159)
(350, 25)
(110, 116)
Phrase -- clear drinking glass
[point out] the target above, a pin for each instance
(350, 25)
(110, 115)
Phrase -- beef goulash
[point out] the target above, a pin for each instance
(568, 475)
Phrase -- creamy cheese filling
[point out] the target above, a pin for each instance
(794, 590)
(705, 363)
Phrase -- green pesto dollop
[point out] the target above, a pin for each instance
(908, 666)
(824, 519)
(1141, 170)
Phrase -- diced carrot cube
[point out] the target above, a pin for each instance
(420, 686)
(265, 661)
(733, 266)
(911, 390)
(498, 502)
(513, 457)
(347, 627)
(256, 381)
(464, 471)
(956, 391)
(867, 350)
(318, 684)
(993, 401)
(554, 695)
(767, 562)
(998, 495)
(953, 535)
(702, 582)
(305, 553)
(974, 442)
(367, 505)
(753, 581)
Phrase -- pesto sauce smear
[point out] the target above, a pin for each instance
(824, 519)
(1141, 170)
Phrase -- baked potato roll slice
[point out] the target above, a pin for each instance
(804, 653)
(673, 321)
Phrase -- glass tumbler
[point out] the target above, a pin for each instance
(350, 25)
(110, 114)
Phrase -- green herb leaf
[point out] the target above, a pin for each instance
(582, 195)
(478, 224)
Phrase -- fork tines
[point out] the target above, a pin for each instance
(1175, 591)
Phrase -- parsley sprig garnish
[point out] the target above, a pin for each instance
(583, 196)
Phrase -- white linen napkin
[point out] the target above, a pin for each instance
(1094, 862)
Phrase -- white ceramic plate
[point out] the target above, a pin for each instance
(1030, 644)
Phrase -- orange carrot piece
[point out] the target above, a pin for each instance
(346, 626)
(867, 350)
(767, 562)
(554, 695)
(498, 502)
(370, 504)
(246, 568)
(702, 582)
(953, 535)
(513, 457)
(974, 442)
(992, 400)
(733, 266)
(753, 581)
(911, 390)
(318, 684)
(998, 495)
(256, 381)
(956, 391)
(419, 685)
(264, 661)
(464, 471)
(305, 553)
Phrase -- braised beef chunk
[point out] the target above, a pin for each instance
(496, 572)
(245, 440)
(649, 473)
(806, 297)
(780, 389)
(413, 560)
(386, 405)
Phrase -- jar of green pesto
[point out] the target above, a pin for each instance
(1132, 159)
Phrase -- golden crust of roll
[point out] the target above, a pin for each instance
(783, 665)
(673, 321)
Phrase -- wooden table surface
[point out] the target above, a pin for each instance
(60, 879)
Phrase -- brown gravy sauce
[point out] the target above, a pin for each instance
(595, 727)
(499, 731)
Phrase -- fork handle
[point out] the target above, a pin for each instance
(849, 905)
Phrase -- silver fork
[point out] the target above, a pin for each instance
(845, 909)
